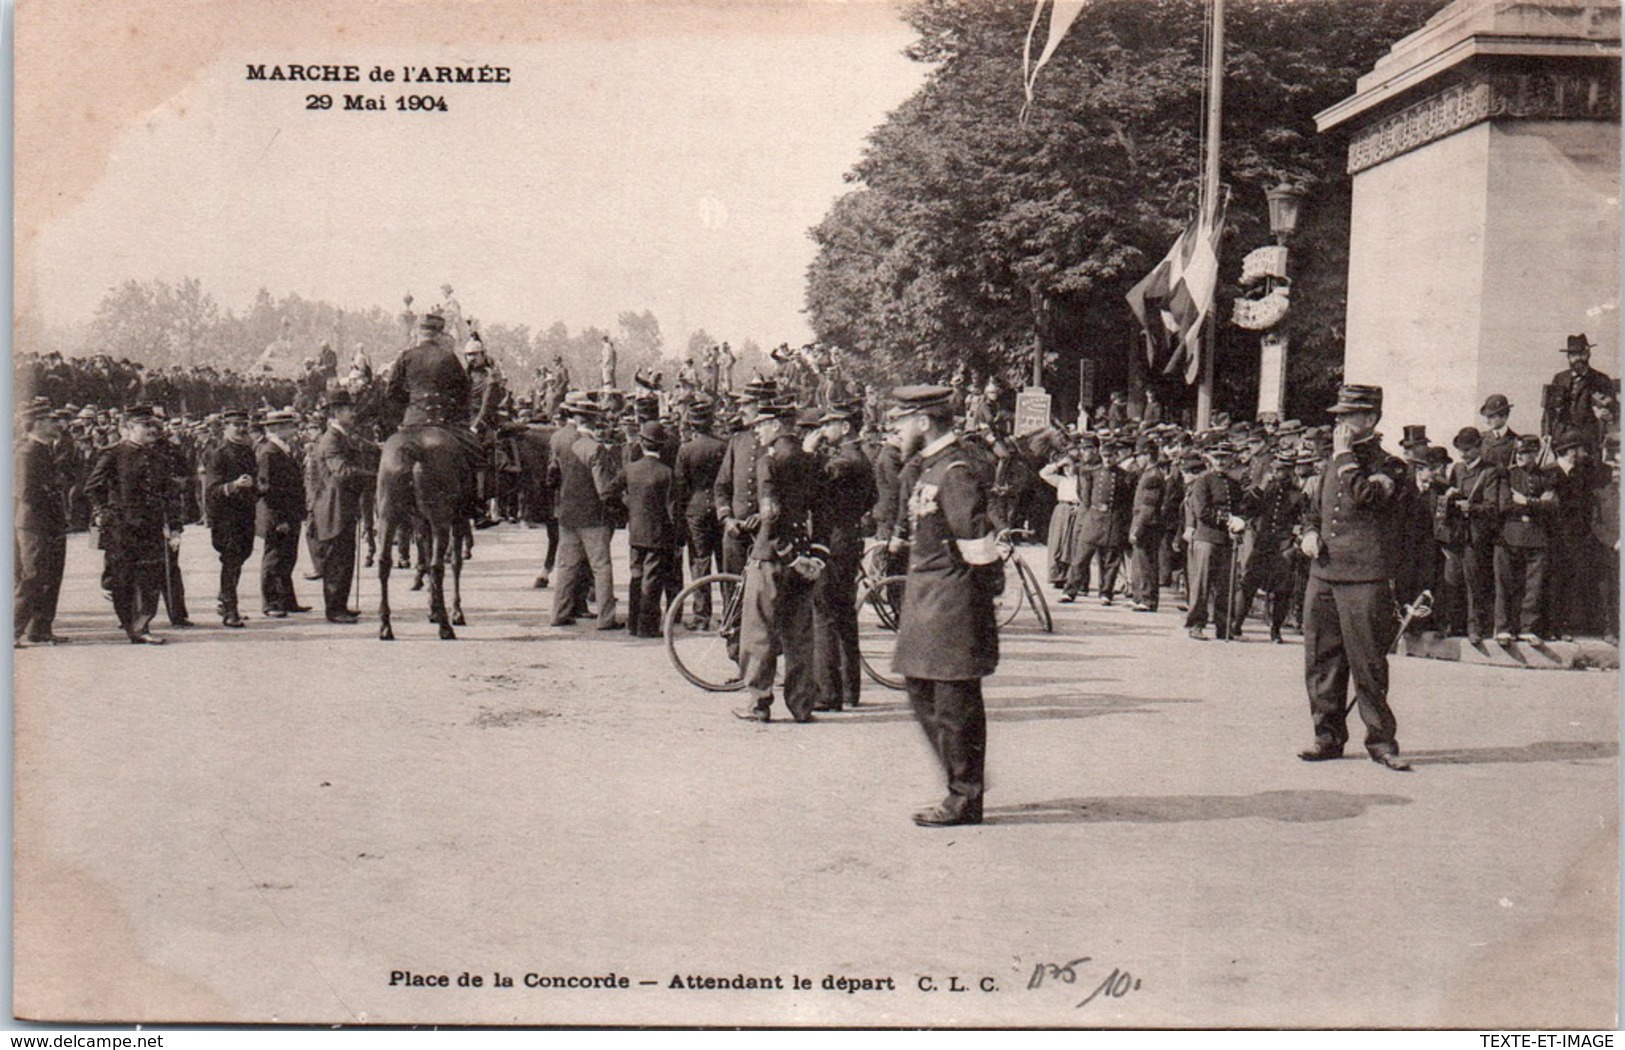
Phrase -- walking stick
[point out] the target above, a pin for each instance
(357, 578)
(1230, 612)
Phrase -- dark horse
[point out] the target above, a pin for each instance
(424, 485)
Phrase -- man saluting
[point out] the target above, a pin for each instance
(947, 641)
(1349, 616)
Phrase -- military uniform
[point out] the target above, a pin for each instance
(230, 510)
(1520, 550)
(129, 487)
(777, 616)
(848, 491)
(1211, 499)
(1146, 528)
(1105, 507)
(280, 513)
(41, 547)
(948, 640)
(1350, 618)
(1277, 511)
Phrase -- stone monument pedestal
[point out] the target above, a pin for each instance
(1485, 150)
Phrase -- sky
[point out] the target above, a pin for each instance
(661, 156)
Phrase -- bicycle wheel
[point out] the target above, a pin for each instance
(879, 612)
(700, 647)
(1007, 603)
(1034, 593)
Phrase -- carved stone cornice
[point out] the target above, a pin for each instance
(1481, 97)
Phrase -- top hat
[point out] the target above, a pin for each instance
(1415, 434)
(1578, 344)
(1495, 405)
(1352, 397)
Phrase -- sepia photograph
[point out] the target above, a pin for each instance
(833, 514)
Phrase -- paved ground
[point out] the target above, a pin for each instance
(266, 824)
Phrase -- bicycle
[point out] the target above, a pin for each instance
(704, 649)
(1007, 606)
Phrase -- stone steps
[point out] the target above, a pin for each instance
(1582, 654)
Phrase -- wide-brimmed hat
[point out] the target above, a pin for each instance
(1578, 344)
(1495, 405)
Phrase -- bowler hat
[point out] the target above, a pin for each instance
(1578, 344)
(1495, 405)
(1436, 455)
(652, 432)
(1528, 443)
(1353, 397)
(1570, 438)
(1468, 437)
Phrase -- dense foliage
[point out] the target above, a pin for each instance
(968, 235)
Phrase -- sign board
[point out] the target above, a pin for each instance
(1086, 383)
(1032, 411)
(1272, 375)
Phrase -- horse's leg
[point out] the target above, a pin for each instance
(443, 538)
(423, 541)
(386, 633)
(457, 583)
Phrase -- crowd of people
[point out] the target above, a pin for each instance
(785, 480)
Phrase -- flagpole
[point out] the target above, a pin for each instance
(1210, 204)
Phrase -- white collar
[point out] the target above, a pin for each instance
(938, 445)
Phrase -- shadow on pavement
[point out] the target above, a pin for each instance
(1293, 807)
(1020, 709)
(1542, 751)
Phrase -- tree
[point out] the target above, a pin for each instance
(132, 321)
(970, 237)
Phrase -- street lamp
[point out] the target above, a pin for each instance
(1284, 201)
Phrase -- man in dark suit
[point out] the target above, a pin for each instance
(1574, 552)
(651, 531)
(41, 511)
(1349, 613)
(1475, 488)
(589, 475)
(1500, 440)
(735, 492)
(1576, 396)
(230, 493)
(345, 480)
(848, 492)
(129, 489)
(699, 460)
(1276, 511)
(537, 488)
(281, 510)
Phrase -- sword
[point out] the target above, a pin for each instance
(1419, 609)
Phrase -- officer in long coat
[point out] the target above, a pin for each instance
(1105, 510)
(1527, 502)
(42, 528)
(1214, 507)
(948, 640)
(230, 493)
(130, 488)
(1277, 509)
(1350, 618)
